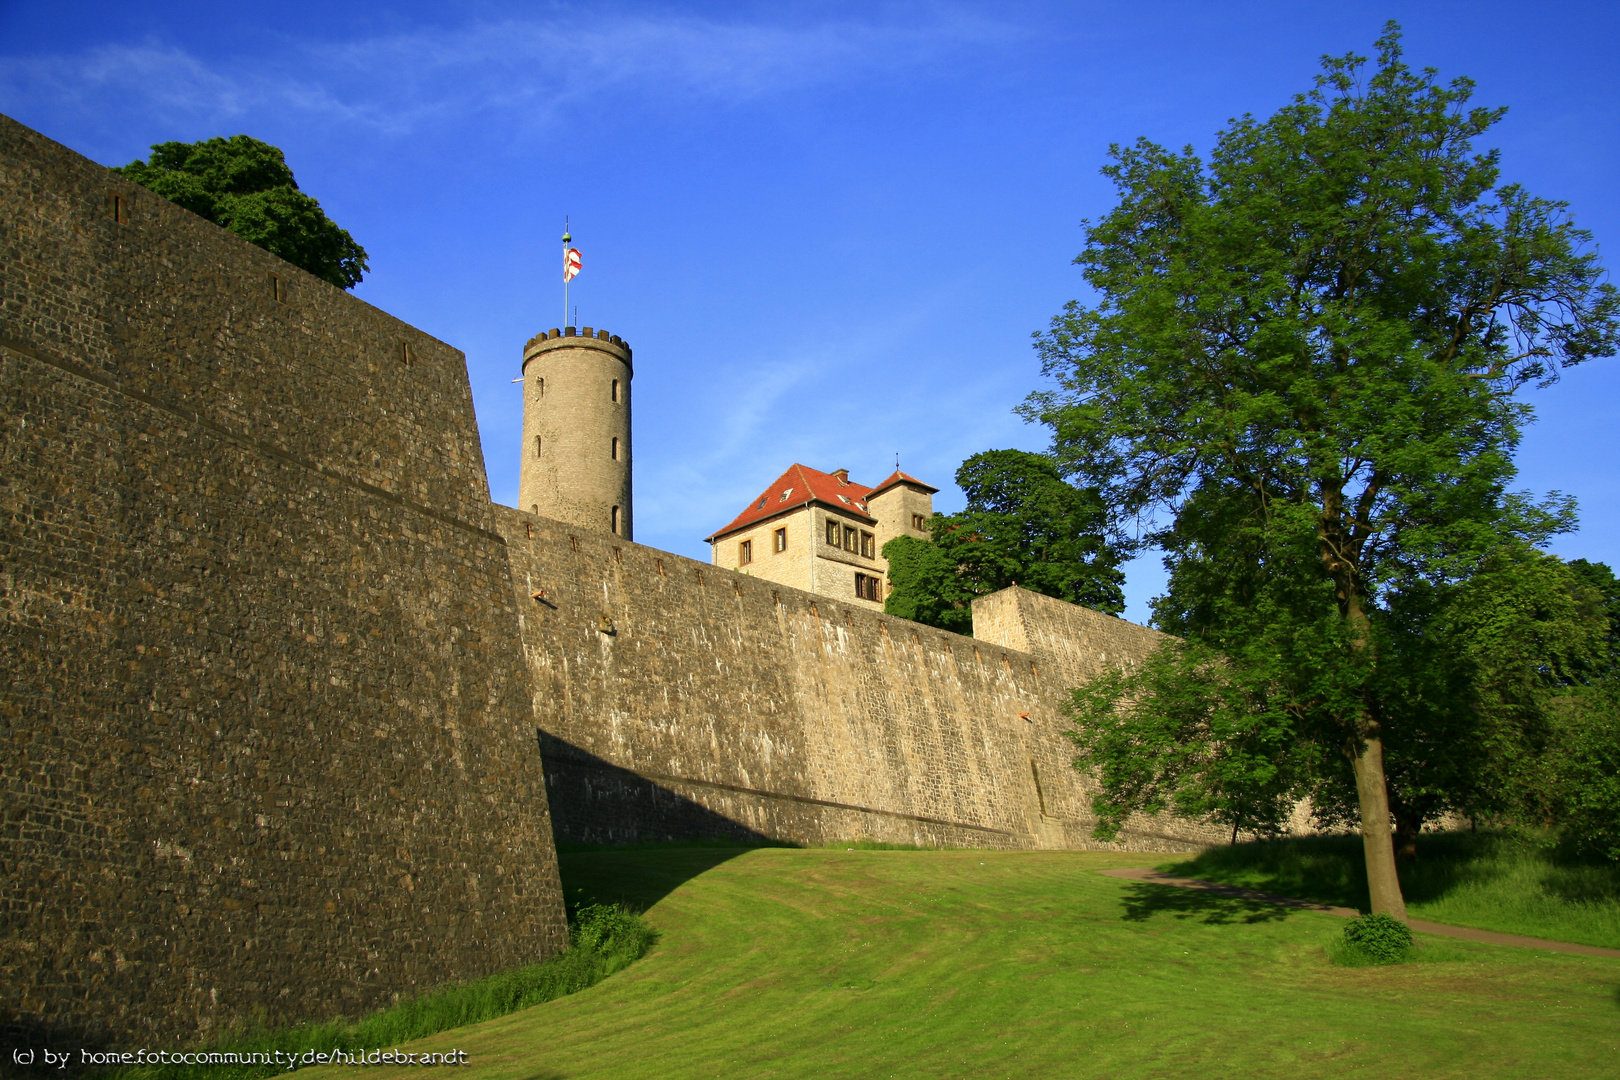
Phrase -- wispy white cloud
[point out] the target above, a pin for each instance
(399, 82)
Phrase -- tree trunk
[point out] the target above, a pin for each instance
(1334, 536)
(1377, 842)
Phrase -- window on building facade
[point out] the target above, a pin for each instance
(615, 389)
(540, 387)
(868, 545)
(851, 538)
(867, 587)
(537, 446)
(919, 523)
(615, 521)
(833, 532)
(745, 553)
(615, 448)
(779, 540)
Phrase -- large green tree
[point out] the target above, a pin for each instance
(245, 185)
(1301, 373)
(1024, 524)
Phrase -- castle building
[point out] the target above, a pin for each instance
(824, 533)
(576, 429)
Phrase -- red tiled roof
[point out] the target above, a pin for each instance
(795, 488)
(898, 477)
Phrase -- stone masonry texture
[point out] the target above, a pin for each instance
(576, 403)
(677, 699)
(266, 739)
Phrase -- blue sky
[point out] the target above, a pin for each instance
(828, 230)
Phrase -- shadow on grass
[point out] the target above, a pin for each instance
(1332, 869)
(637, 877)
(1144, 901)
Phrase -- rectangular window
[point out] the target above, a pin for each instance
(833, 533)
(615, 522)
(278, 292)
(868, 545)
(117, 207)
(615, 389)
(615, 448)
(919, 523)
(850, 536)
(541, 387)
(537, 446)
(867, 587)
(779, 540)
(745, 553)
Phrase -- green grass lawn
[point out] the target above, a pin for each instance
(1483, 880)
(826, 963)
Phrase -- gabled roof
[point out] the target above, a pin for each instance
(898, 477)
(800, 486)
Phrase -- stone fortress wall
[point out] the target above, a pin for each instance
(266, 744)
(284, 694)
(676, 699)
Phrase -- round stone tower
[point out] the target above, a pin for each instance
(576, 429)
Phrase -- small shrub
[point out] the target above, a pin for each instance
(1381, 938)
(609, 929)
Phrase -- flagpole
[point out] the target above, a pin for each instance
(566, 239)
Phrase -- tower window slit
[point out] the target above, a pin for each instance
(615, 521)
(537, 444)
(615, 448)
(615, 389)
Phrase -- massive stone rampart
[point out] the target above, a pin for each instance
(278, 680)
(266, 743)
(678, 699)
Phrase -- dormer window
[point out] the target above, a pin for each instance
(785, 495)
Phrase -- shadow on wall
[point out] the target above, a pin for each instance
(596, 802)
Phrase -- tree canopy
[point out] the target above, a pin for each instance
(245, 186)
(1023, 524)
(1300, 379)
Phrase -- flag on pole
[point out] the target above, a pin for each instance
(570, 264)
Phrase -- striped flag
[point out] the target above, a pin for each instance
(570, 264)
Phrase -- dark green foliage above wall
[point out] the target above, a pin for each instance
(927, 588)
(245, 186)
(1023, 525)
